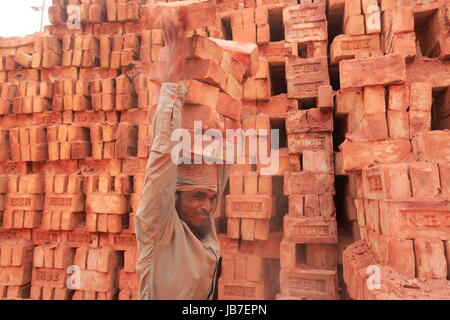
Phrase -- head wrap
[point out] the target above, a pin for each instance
(197, 176)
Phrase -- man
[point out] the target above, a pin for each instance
(177, 243)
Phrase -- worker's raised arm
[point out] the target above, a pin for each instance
(155, 215)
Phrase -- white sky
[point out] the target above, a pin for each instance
(18, 19)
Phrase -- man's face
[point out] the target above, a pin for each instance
(195, 208)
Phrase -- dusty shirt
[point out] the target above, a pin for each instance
(172, 262)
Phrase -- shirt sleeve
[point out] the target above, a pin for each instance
(156, 212)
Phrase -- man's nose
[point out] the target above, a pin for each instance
(206, 206)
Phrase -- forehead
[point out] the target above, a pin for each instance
(207, 192)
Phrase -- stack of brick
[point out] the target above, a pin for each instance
(416, 29)
(305, 76)
(28, 144)
(49, 276)
(250, 205)
(361, 28)
(243, 26)
(391, 285)
(122, 10)
(308, 251)
(396, 172)
(32, 96)
(73, 103)
(16, 260)
(68, 142)
(250, 268)
(268, 97)
(306, 25)
(47, 52)
(24, 202)
(361, 17)
(250, 208)
(107, 203)
(98, 268)
(128, 279)
(243, 278)
(151, 41)
(7, 95)
(64, 206)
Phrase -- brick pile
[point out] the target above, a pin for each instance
(75, 104)
(363, 150)
(395, 153)
(290, 92)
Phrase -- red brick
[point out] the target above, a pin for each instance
(434, 145)
(304, 32)
(244, 206)
(201, 94)
(313, 120)
(425, 180)
(233, 228)
(317, 161)
(310, 229)
(308, 183)
(248, 229)
(262, 34)
(296, 205)
(245, 53)
(312, 208)
(242, 290)
(419, 121)
(386, 182)
(375, 71)
(420, 97)
(374, 126)
(198, 14)
(406, 219)
(321, 256)
(403, 20)
(400, 256)
(207, 71)
(398, 98)
(349, 100)
(231, 65)
(299, 142)
(398, 124)
(305, 12)
(372, 215)
(374, 100)
(262, 229)
(275, 52)
(430, 259)
(309, 283)
(354, 25)
(325, 97)
(228, 106)
(444, 173)
(357, 155)
(261, 15)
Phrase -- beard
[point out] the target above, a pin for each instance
(200, 231)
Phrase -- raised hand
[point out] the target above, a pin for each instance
(172, 24)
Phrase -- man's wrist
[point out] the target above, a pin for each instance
(170, 91)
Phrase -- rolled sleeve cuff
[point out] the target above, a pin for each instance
(171, 92)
